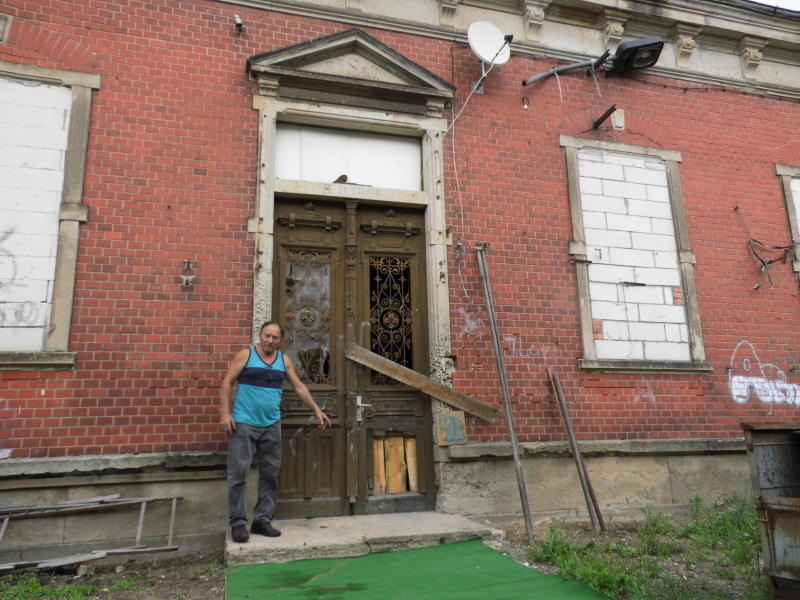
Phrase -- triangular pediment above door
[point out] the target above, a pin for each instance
(349, 67)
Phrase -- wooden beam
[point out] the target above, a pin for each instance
(426, 385)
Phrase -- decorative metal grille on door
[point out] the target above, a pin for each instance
(390, 311)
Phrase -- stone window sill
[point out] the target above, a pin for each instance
(36, 361)
(642, 366)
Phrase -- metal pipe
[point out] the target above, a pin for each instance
(172, 521)
(140, 529)
(588, 491)
(561, 69)
(501, 369)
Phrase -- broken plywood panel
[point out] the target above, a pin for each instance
(396, 470)
(411, 463)
(378, 460)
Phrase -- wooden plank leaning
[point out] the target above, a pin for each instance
(588, 492)
(426, 385)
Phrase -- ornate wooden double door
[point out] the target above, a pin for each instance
(352, 273)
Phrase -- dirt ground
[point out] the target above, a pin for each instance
(196, 577)
(199, 577)
(702, 576)
(202, 577)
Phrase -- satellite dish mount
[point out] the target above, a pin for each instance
(491, 46)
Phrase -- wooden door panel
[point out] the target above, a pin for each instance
(308, 275)
(398, 418)
(311, 480)
(353, 273)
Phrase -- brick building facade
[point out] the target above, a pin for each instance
(167, 177)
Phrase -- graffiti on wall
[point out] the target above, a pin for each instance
(14, 312)
(475, 330)
(747, 376)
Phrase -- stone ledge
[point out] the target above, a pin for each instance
(639, 366)
(26, 361)
(489, 450)
(82, 465)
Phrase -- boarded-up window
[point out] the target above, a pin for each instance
(634, 280)
(790, 177)
(631, 252)
(34, 121)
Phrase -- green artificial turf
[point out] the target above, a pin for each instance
(460, 571)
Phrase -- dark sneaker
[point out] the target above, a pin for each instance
(264, 527)
(239, 534)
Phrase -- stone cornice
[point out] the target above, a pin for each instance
(721, 25)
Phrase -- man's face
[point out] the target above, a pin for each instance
(270, 337)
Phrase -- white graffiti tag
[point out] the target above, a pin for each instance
(747, 374)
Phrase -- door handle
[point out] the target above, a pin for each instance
(360, 406)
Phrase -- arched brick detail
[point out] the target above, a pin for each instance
(788, 154)
(636, 126)
(50, 44)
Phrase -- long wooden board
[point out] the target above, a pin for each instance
(426, 385)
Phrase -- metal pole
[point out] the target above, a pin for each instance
(561, 69)
(588, 491)
(501, 369)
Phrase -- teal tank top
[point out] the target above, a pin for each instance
(258, 395)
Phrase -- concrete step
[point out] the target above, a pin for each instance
(338, 537)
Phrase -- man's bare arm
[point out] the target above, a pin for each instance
(226, 390)
(302, 391)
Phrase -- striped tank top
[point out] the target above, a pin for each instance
(258, 395)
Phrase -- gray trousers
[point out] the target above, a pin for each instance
(245, 442)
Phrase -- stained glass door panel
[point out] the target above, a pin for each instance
(307, 277)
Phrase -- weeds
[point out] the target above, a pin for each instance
(28, 587)
(213, 566)
(588, 563)
(122, 584)
(732, 527)
(715, 556)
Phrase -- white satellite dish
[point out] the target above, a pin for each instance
(491, 46)
(489, 43)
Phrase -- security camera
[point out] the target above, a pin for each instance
(237, 21)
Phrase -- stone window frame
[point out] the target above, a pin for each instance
(429, 129)
(686, 259)
(72, 212)
(787, 173)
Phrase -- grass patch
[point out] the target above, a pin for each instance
(712, 554)
(588, 563)
(122, 584)
(214, 566)
(28, 587)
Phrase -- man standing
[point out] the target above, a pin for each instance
(253, 423)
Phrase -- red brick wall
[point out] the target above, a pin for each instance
(171, 175)
(510, 157)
